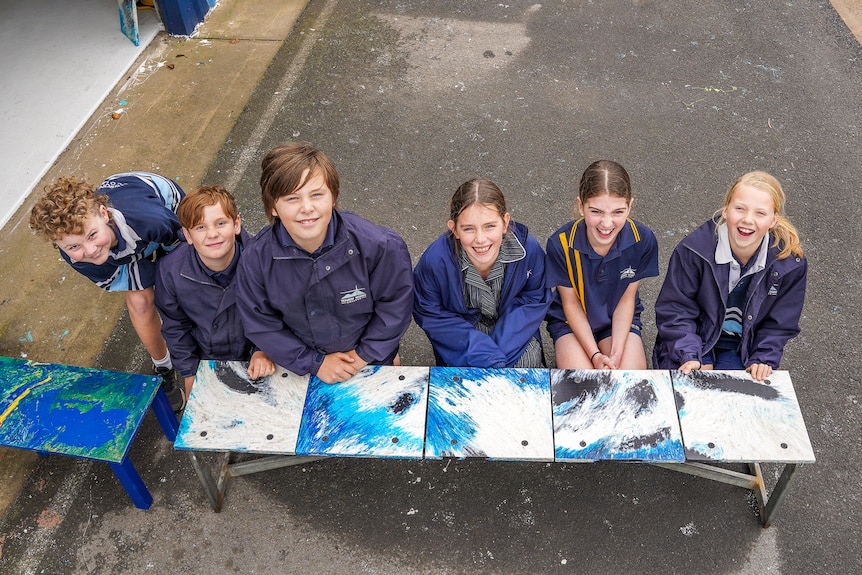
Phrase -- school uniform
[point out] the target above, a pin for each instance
(692, 304)
(354, 292)
(200, 319)
(142, 210)
(440, 308)
(599, 281)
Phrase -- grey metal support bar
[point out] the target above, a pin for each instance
(767, 504)
(207, 481)
(778, 493)
(216, 489)
(711, 472)
(268, 463)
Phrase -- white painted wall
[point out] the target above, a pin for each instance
(58, 62)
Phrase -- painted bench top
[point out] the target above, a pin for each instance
(71, 410)
(506, 414)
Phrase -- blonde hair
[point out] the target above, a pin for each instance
(785, 234)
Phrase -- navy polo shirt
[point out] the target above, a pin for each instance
(605, 278)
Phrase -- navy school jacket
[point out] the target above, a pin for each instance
(200, 319)
(142, 207)
(354, 295)
(691, 306)
(439, 307)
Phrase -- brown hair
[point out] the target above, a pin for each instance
(282, 169)
(190, 211)
(64, 208)
(605, 177)
(783, 231)
(477, 191)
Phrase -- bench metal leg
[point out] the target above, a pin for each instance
(216, 489)
(162, 410)
(129, 478)
(209, 484)
(767, 504)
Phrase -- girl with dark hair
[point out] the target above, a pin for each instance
(596, 263)
(479, 289)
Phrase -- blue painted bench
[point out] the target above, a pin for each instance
(81, 412)
(665, 418)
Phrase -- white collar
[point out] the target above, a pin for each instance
(724, 255)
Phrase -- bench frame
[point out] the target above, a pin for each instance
(768, 502)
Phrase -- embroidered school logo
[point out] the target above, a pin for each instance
(773, 290)
(627, 273)
(353, 296)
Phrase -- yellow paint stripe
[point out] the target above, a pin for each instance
(18, 399)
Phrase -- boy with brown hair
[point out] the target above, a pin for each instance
(321, 291)
(195, 288)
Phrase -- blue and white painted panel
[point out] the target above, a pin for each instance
(489, 413)
(379, 412)
(615, 415)
(727, 416)
(129, 20)
(229, 411)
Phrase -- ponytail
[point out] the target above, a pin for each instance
(786, 237)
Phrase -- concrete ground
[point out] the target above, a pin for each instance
(410, 99)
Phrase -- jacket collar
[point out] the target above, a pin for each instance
(724, 255)
(289, 247)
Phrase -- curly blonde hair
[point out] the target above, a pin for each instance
(64, 207)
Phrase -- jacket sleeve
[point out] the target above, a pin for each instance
(177, 326)
(391, 282)
(677, 309)
(264, 325)
(781, 323)
(436, 306)
(520, 321)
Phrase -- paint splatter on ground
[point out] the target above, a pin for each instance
(689, 530)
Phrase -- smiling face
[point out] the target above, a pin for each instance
(604, 216)
(480, 229)
(214, 237)
(93, 246)
(749, 215)
(306, 212)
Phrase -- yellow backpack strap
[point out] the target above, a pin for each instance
(568, 242)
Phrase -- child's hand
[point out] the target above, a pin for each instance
(337, 367)
(759, 371)
(260, 365)
(688, 366)
(602, 361)
(358, 362)
(613, 360)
